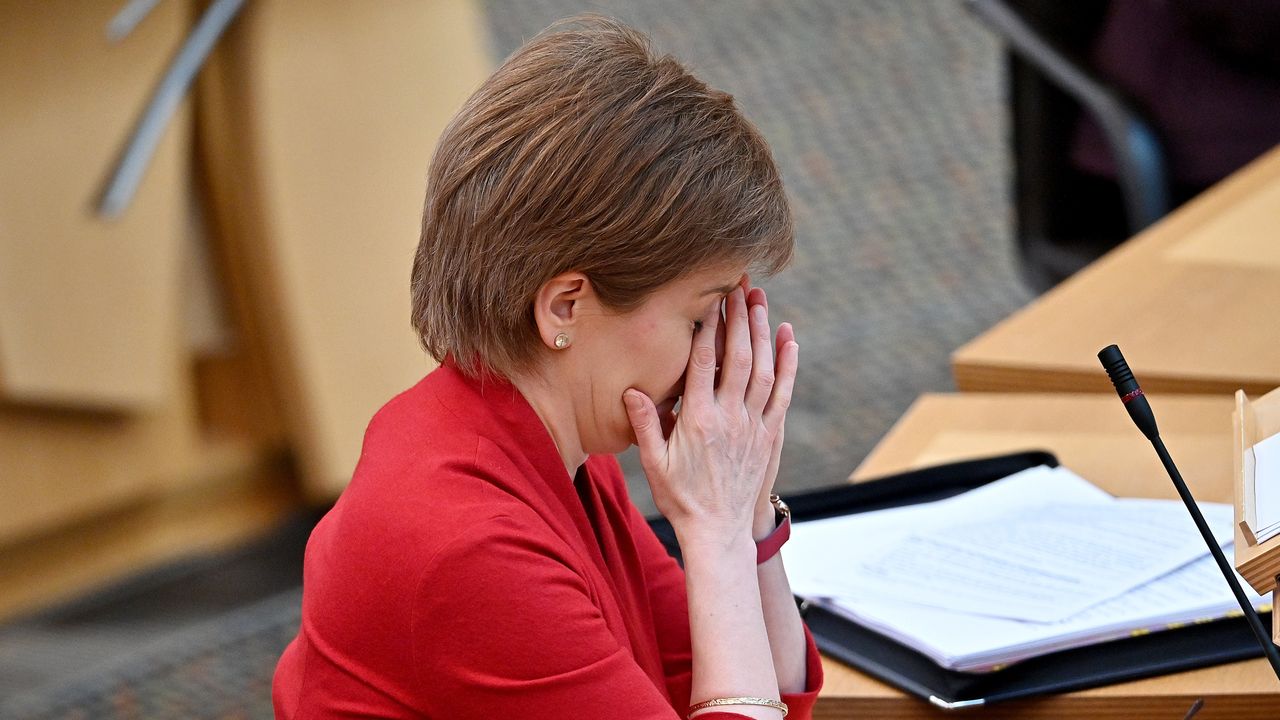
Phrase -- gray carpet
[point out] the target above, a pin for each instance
(218, 667)
(887, 119)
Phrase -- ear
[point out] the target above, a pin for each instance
(559, 306)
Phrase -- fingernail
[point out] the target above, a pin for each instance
(630, 400)
(757, 312)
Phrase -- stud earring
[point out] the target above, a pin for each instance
(562, 341)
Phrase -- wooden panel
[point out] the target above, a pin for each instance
(248, 500)
(59, 467)
(1233, 238)
(233, 384)
(1253, 422)
(86, 305)
(1093, 435)
(318, 121)
(1191, 301)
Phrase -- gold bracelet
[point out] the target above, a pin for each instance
(717, 702)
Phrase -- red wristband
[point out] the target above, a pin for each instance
(768, 547)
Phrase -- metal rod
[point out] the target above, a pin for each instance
(1134, 144)
(164, 102)
(133, 12)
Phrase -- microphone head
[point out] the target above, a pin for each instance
(1118, 370)
(1130, 394)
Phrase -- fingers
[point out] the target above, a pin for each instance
(786, 334)
(784, 378)
(719, 339)
(700, 376)
(735, 372)
(667, 421)
(762, 373)
(775, 460)
(646, 425)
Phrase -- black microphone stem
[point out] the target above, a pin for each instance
(1135, 401)
(1228, 571)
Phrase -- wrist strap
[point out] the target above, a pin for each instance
(769, 546)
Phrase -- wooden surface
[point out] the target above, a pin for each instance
(98, 417)
(59, 467)
(245, 500)
(318, 120)
(1093, 436)
(1254, 421)
(1192, 302)
(87, 306)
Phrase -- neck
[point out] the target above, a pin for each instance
(557, 415)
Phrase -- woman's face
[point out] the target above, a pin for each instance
(646, 349)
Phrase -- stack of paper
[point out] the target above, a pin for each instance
(1038, 562)
(1266, 489)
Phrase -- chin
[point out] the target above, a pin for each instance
(617, 445)
(613, 443)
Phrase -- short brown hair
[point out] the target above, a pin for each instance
(585, 152)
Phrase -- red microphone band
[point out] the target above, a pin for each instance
(1131, 396)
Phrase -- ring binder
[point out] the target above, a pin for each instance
(1185, 648)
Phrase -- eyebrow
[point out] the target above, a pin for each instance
(721, 290)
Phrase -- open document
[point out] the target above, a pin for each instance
(1038, 562)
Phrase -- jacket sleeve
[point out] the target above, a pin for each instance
(509, 629)
(665, 581)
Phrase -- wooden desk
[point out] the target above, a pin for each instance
(1192, 301)
(1092, 435)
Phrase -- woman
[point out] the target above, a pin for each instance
(591, 215)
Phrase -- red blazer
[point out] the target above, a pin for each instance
(463, 574)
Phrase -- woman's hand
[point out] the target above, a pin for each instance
(709, 473)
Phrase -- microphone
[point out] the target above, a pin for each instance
(1135, 401)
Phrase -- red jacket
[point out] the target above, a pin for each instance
(463, 574)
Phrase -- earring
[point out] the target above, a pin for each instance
(562, 341)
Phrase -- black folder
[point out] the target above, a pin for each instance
(1167, 651)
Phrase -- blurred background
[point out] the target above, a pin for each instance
(208, 211)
